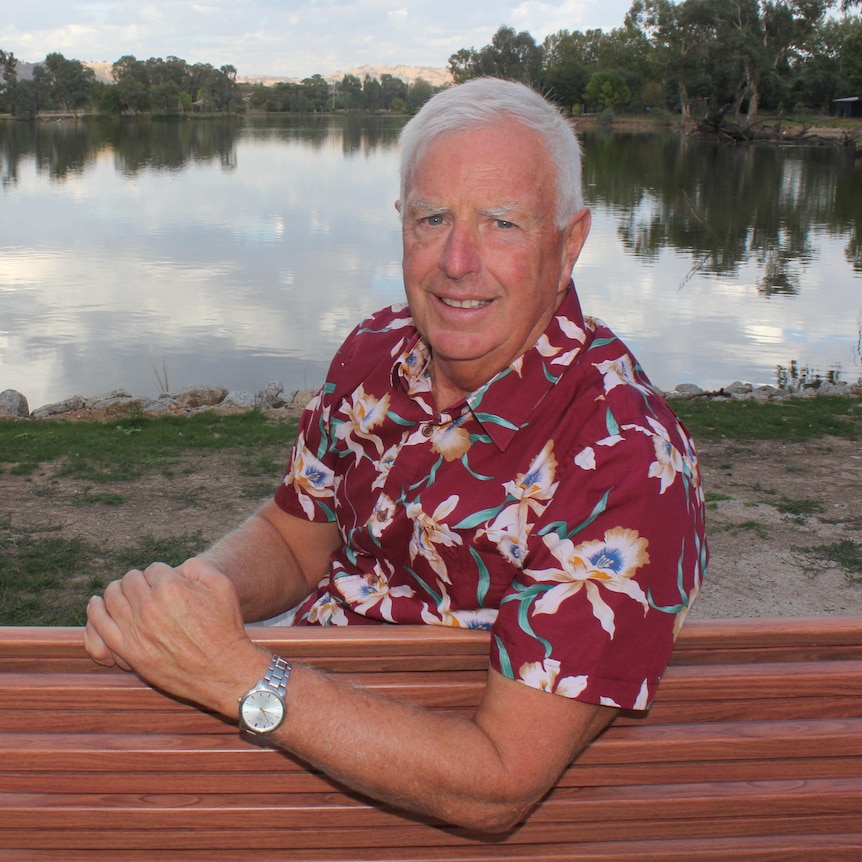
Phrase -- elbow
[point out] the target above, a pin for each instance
(493, 817)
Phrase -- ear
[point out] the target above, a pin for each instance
(576, 233)
(398, 206)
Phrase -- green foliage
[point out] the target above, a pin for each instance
(510, 55)
(607, 90)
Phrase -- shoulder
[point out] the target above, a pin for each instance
(372, 346)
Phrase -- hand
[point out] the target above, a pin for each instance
(180, 629)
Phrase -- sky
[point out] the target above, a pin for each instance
(285, 38)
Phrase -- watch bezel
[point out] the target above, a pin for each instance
(249, 707)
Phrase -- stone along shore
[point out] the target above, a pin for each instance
(273, 399)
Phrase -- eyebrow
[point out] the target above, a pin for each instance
(503, 211)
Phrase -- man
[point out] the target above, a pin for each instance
(486, 457)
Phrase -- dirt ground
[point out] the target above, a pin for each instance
(774, 510)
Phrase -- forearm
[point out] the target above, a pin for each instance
(265, 572)
(436, 763)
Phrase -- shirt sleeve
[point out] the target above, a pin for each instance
(307, 489)
(613, 562)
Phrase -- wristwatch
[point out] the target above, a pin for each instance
(262, 708)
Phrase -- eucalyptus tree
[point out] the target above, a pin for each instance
(510, 55)
(681, 45)
(730, 51)
(8, 80)
(568, 67)
(68, 83)
(850, 55)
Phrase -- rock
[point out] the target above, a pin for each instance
(14, 403)
(270, 397)
(739, 388)
(58, 408)
(239, 398)
(688, 389)
(199, 396)
(768, 393)
(827, 388)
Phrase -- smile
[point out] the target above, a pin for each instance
(465, 303)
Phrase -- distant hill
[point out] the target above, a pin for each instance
(435, 76)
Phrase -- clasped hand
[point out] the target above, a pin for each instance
(180, 629)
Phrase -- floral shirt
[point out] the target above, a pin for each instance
(559, 505)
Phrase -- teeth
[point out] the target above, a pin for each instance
(465, 303)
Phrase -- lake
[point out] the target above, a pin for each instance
(147, 255)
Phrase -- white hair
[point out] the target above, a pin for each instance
(483, 102)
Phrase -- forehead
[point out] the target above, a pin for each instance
(505, 158)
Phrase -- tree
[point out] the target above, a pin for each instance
(26, 102)
(316, 91)
(350, 89)
(373, 93)
(67, 83)
(607, 89)
(8, 80)
(851, 57)
(419, 93)
(393, 88)
(566, 72)
(511, 55)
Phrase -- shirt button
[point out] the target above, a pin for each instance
(427, 430)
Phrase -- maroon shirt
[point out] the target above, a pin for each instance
(559, 505)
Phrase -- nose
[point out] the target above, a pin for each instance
(461, 255)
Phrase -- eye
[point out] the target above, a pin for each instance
(433, 220)
(503, 224)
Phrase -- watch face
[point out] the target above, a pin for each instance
(262, 711)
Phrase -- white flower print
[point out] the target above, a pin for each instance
(478, 618)
(381, 517)
(309, 477)
(371, 590)
(593, 566)
(543, 675)
(364, 413)
(428, 532)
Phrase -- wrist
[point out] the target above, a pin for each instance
(263, 708)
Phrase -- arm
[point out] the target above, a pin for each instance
(274, 560)
(183, 632)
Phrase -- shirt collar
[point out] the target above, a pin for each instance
(504, 404)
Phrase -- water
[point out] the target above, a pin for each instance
(152, 255)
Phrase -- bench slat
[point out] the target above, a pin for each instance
(796, 848)
(763, 740)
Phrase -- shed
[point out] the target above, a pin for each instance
(849, 107)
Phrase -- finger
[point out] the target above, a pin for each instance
(97, 621)
(96, 648)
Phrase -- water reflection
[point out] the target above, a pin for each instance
(239, 252)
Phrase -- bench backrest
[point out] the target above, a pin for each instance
(752, 750)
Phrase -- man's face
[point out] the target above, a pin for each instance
(485, 266)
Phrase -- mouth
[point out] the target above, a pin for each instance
(465, 303)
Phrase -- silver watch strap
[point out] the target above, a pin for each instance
(277, 675)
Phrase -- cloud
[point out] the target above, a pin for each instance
(293, 38)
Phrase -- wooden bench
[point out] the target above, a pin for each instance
(752, 751)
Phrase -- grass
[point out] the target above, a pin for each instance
(793, 419)
(45, 579)
(102, 452)
(33, 592)
(846, 553)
